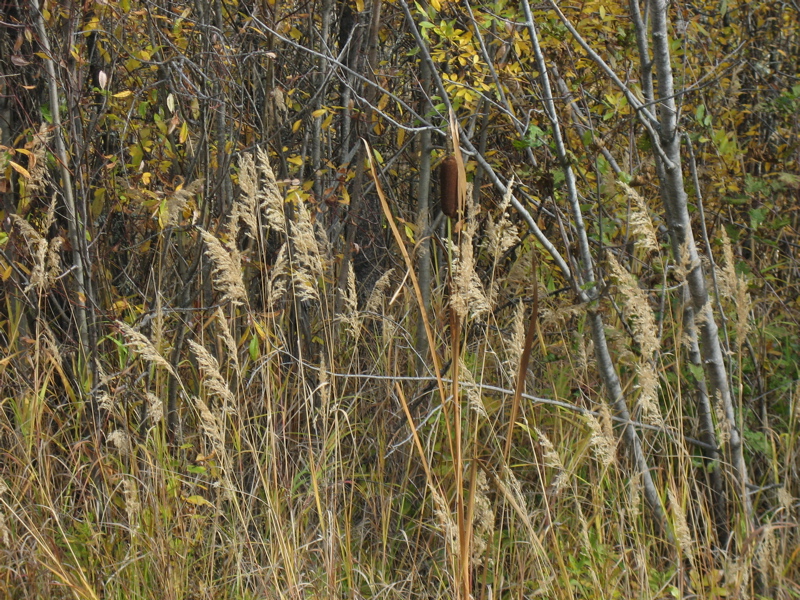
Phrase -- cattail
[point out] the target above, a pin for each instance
(448, 186)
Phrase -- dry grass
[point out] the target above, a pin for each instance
(338, 475)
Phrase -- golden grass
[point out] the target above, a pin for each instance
(348, 474)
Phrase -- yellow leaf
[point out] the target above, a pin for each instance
(184, 134)
(401, 136)
(6, 273)
(296, 125)
(318, 113)
(295, 160)
(383, 101)
(19, 169)
(99, 202)
(124, 94)
(163, 214)
(360, 5)
(409, 233)
(436, 4)
(198, 501)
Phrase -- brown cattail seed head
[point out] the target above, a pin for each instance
(448, 186)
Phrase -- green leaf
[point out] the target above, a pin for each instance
(602, 165)
(697, 372)
(737, 200)
(758, 216)
(700, 113)
(534, 138)
(253, 348)
(758, 441)
(755, 185)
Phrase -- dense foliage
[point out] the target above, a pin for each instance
(245, 355)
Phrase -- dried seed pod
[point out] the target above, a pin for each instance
(448, 186)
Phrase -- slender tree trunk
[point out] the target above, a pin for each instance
(356, 196)
(675, 202)
(611, 380)
(483, 137)
(75, 227)
(424, 272)
(321, 95)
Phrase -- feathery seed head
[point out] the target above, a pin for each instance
(269, 196)
(142, 346)
(603, 442)
(680, 525)
(212, 378)
(503, 234)
(121, 441)
(155, 409)
(468, 293)
(648, 393)
(227, 268)
(376, 297)
(553, 461)
(643, 321)
(640, 222)
(177, 202)
(483, 519)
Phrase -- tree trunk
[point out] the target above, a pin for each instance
(675, 202)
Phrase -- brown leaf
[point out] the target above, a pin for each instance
(19, 60)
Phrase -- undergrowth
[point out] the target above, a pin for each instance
(315, 454)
